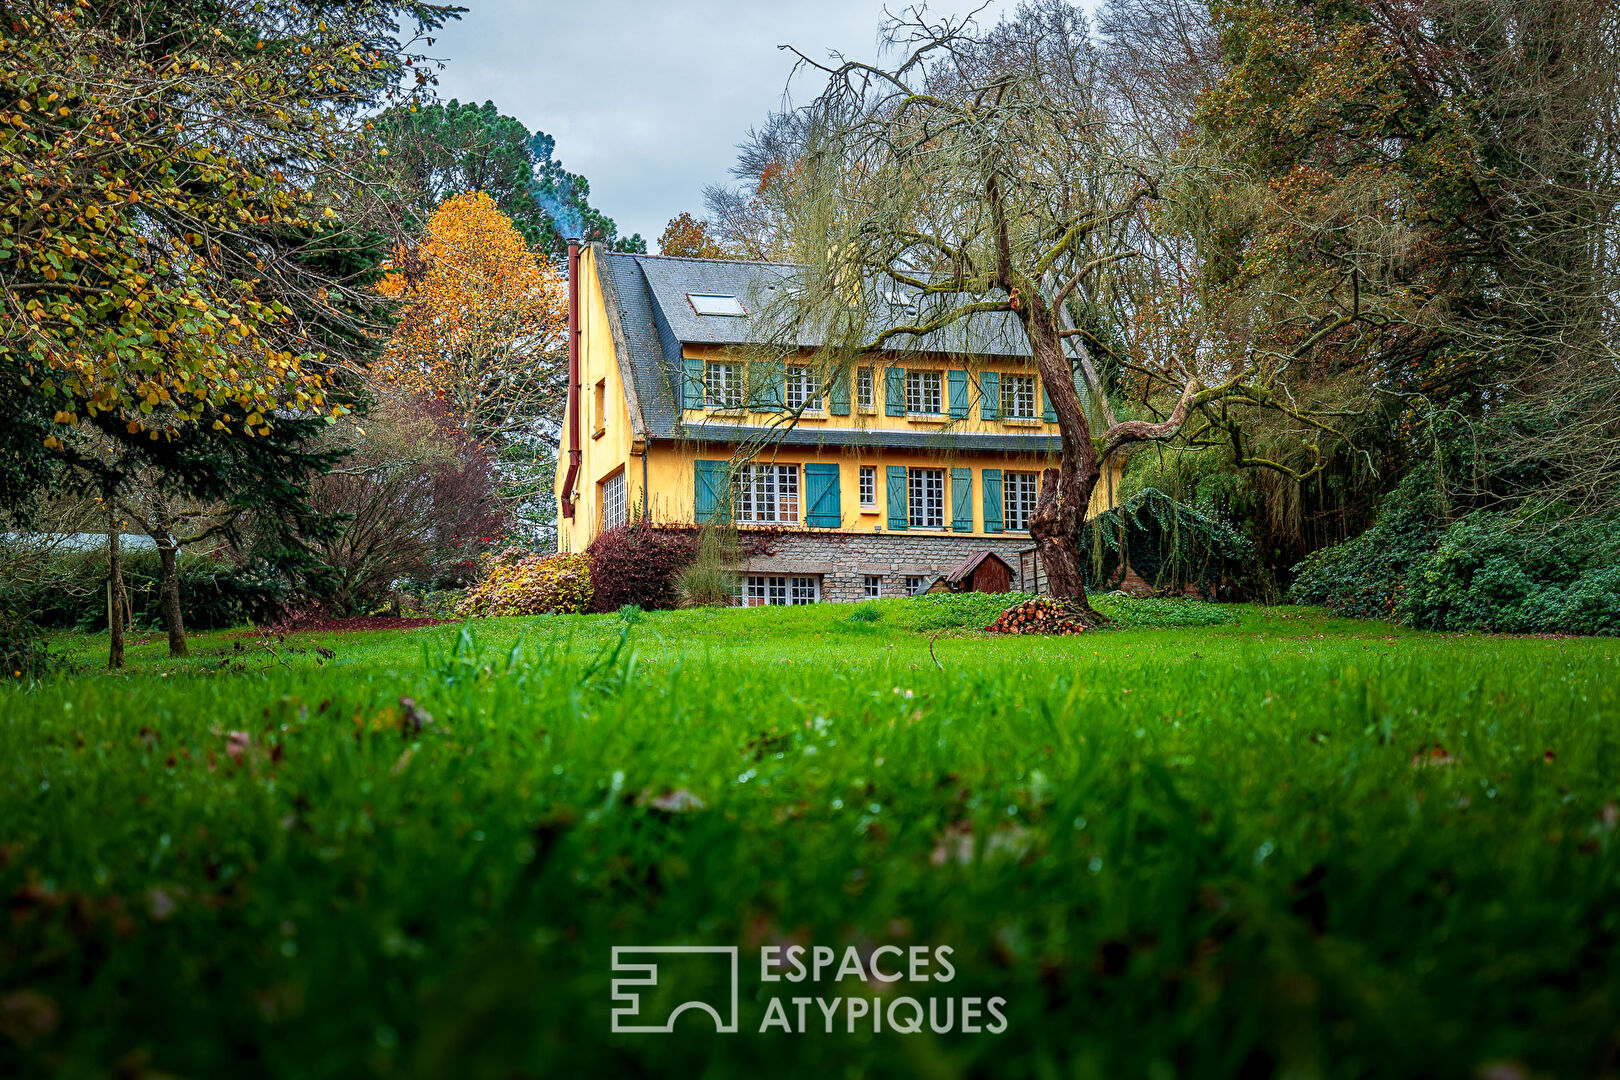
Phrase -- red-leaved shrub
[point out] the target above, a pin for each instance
(639, 564)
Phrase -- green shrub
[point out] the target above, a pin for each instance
(1489, 570)
(518, 582)
(431, 603)
(69, 592)
(865, 612)
(23, 654)
(1364, 577)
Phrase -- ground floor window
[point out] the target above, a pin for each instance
(613, 502)
(760, 590)
(874, 586)
(915, 583)
(926, 495)
(1018, 499)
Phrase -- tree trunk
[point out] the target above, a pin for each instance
(1065, 496)
(115, 591)
(169, 591)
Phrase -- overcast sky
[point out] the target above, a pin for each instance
(648, 98)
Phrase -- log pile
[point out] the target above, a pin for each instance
(1037, 616)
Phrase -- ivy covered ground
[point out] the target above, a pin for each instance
(1270, 842)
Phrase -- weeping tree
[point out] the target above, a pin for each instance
(981, 178)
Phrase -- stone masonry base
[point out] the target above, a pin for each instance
(843, 561)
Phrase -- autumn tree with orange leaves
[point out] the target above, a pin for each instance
(482, 328)
(688, 237)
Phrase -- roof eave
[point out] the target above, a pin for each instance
(621, 344)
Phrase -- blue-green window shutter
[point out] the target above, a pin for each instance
(767, 385)
(961, 500)
(838, 394)
(758, 385)
(894, 391)
(711, 501)
(899, 516)
(692, 385)
(1047, 412)
(992, 500)
(821, 496)
(778, 383)
(990, 395)
(957, 382)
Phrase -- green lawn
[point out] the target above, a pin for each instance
(1275, 844)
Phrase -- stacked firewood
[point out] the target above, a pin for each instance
(1037, 616)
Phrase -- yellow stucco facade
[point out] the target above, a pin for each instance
(658, 476)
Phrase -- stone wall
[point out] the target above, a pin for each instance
(843, 560)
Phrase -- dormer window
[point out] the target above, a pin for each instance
(803, 389)
(1018, 397)
(923, 392)
(715, 304)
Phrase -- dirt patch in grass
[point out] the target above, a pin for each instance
(328, 624)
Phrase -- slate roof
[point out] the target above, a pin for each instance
(651, 319)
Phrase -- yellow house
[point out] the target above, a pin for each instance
(884, 481)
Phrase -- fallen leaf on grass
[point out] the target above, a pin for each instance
(1433, 756)
(161, 903)
(679, 801)
(237, 744)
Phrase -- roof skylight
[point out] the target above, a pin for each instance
(715, 304)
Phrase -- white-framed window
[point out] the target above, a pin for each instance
(915, 583)
(1018, 397)
(864, 398)
(925, 491)
(767, 493)
(613, 501)
(760, 590)
(874, 586)
(868, 485)
(723, 385)
(803, 388)
(923, 392)
(1018, 491)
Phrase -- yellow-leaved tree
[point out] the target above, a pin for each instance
(482, 328)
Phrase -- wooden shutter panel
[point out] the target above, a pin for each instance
(899, 516)
(957, 381)
(894, 391)
(990, 395)
(767, 385)
(962, 500)
(692, 384)
(821, 496)
(777, 372)
(1047, 412)
(710, 499)
(992, 500)
(838, 394)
